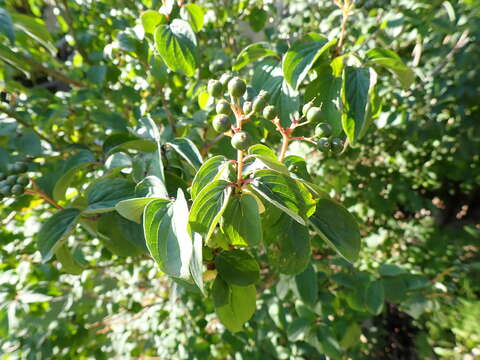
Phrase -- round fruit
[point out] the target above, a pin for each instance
(307, 107)
(23, 180)
(241, 140)
(3, 176)
(323, 130)
(259, 104)
(19, 167)
(10, 180)
(225, 78)
(314, 114)
(337, 145)
(247, 107)
(323, 144)
(17, 189)
(215, 88)
(223, 107)
(5, 190)
(221, 123)
(270, 113)
(237, 87)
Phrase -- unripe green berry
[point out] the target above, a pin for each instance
(17, 189)
(247, 107)
(5, 190)
(19, 167)
(314, 114)
(225, 78)
(323, 144)
(259, 104)
(223, 107)
(221, 123)
(11, 179)
(237, 87)
(323, 130)
(241, 140)
(3, 176)
(23, 180)
(307, 107)
(337, 145)
(215, 88)
(270, 113)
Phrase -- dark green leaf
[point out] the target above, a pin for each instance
(211, 170)
(257, 18)
(298, 328)
(356, 91)
(337, 227)
(188, 150)
(106, 193)
(301, 56)
(71, 166)
(196, 263)
(68, 261)
(285, 193)
(208, 207)
(374, 297)
(177, 46)
(287, 242)
(241, 221)
(234, 305)
(251, 53)
(6, 25)
(268, 75)
(307, 285)
(237, 267)
(54, 230)
(121, 236)
(169, 243)
(393, 63)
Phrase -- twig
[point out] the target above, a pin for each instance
(37, 191)
(206, 148)
(170, 117)
(346, 6)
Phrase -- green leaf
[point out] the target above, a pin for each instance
(391, 270)
(36, 29)
(234, 305)
(265, 157)
(121, 236)
(356, 91)
(251, 53)
(211, 170)
(285, 193)
(71, 166)
(237, 267)
(338, 228)
(194, 14)
(106, 193)
(188, 150)
(177, 45)
(301, 56)
(13, 59)
(208, 207)
(167, 237)
(268, 75)
(121, 142)
(132, 209)
(298, 328)
(151, 19)
(374, 297)
(287, 242)
(55, 230)
(257, 18)
(241, 221)
(196, 263)
(6, 25)
(393, 63)
(307, 285)
(325, 91)
(68, 261)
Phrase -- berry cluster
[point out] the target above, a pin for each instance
(14, 181)
(323, 130)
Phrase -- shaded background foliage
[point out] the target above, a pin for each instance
(412, 183)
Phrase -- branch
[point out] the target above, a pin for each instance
(346, 6)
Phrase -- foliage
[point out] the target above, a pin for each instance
(332, 211)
